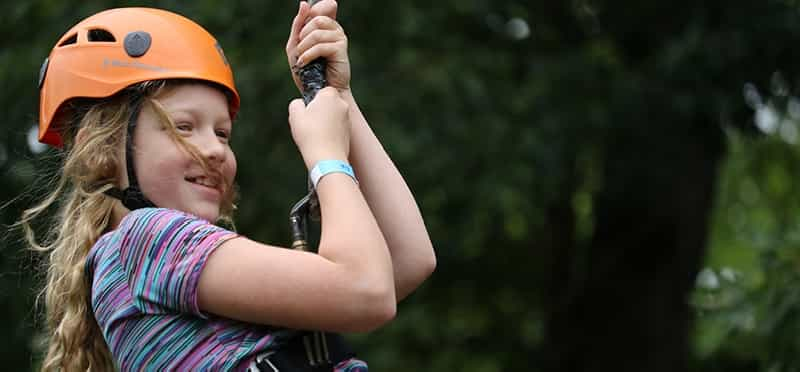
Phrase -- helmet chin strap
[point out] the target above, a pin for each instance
(132, 197)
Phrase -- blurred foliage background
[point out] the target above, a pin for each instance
(609, 184)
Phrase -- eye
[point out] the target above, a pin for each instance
(224, 134)
(184, 126)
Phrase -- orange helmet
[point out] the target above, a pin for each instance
(116, 48)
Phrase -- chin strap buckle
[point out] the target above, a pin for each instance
(131, 198)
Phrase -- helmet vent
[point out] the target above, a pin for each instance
(70, 40)
(98, 34)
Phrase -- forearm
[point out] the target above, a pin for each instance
(392, 204)
(350, 280)
(350, 236)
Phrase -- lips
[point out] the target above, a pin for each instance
(206, 182)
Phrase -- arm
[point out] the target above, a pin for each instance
(392, 203)
(315, 34)
(348, 286)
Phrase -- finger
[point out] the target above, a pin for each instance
(318, 37)
(319, 23)
(304, 11)
(326, 8)
(294, 31)
(320, 50)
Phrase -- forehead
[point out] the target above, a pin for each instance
(196, 98)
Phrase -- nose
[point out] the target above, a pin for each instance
(211, 147)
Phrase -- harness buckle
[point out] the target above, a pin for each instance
(317, 349)
(261, 362)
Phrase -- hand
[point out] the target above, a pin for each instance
(321, 130)
(316, 34)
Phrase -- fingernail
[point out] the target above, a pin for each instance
(297, 66)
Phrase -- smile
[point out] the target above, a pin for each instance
(204, 181)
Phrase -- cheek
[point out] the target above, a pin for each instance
(164, 174)
(230, 166)
(161, 169)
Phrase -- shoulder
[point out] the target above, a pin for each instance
(156, 228)
(157, 214)
(157, 219)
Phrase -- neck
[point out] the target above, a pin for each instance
(117, 214)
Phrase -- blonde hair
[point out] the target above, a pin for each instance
(90, 166)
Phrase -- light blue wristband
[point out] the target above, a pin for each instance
(324, 167)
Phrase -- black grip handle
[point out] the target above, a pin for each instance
(312, 76)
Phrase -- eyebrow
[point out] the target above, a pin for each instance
(197, 113)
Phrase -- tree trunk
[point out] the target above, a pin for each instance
(628, 310)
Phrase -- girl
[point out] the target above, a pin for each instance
(139, 276)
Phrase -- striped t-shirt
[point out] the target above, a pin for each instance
(144, 296)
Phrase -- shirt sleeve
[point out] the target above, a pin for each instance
(162, 254)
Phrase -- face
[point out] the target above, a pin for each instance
(168, 175)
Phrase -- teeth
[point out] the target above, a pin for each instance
(202, 181)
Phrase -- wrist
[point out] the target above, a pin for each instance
(313, 159)
(330, 166)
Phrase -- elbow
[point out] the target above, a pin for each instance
(425, 266)
(378, 307)
(383, 313)
(430, 265)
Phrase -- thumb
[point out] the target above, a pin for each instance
(324, 8)
(296, 108)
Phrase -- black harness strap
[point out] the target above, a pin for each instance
(305, 352)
